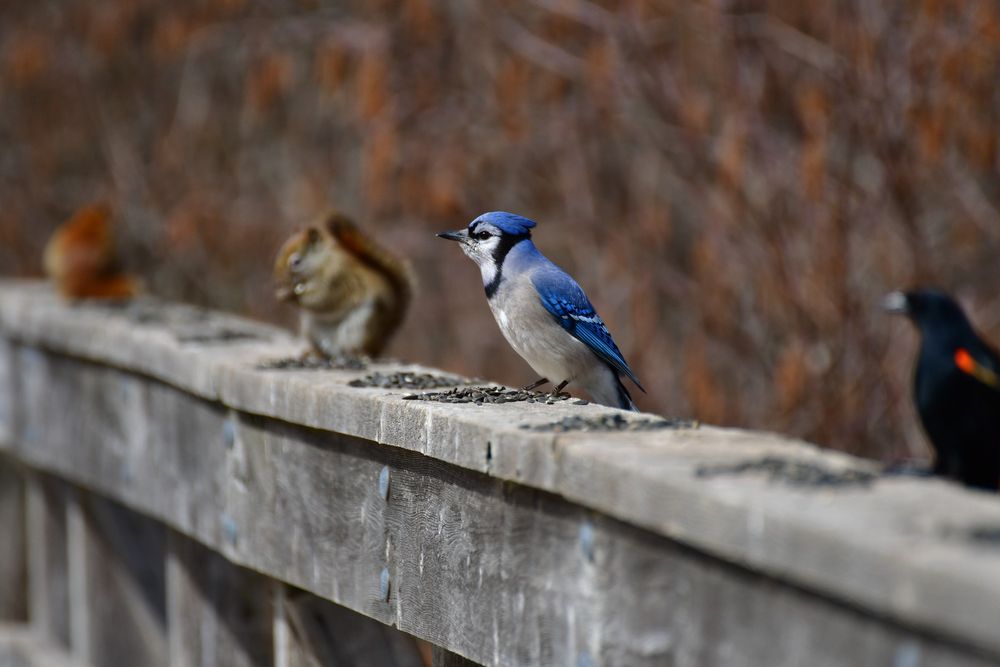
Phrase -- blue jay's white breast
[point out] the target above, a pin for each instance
(537, 337)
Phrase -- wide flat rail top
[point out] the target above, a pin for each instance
(922, 552)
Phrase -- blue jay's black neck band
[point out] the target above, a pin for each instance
(499, 254)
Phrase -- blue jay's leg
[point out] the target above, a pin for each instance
(537, 383)
(559, 387)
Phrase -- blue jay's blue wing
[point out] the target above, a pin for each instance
(571, 308)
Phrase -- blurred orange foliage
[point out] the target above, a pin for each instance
(734, 184)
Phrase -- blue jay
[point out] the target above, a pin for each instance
(542, 312)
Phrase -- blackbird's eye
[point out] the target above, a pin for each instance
(482, 236)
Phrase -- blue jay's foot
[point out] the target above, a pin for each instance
(534, 385)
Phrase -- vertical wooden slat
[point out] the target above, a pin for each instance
(321, 633)
(8, 379)
(219, 615)
(280, 630)
(77, 574)
(48, 575)
(13, 548)
(14, 603)
(443, 658)
(117, 590)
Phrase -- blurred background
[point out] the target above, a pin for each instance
(735, 184)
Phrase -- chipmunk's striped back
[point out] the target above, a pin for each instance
(353, 293)
(364, 248)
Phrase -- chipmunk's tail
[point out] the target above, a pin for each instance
(364, 247)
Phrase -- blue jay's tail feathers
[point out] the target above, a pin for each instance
(624, 398)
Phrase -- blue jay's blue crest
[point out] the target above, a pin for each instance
(507, 223)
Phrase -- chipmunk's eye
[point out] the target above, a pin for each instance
(482, 236)
(295, 260)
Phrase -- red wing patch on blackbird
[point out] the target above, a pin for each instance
(968, 365)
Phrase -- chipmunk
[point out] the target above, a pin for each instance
(81, 257)
(352, 293)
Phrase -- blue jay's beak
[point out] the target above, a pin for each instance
(460, 235)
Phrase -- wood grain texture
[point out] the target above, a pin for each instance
(500, 573)
(507, 575)
(501, 545)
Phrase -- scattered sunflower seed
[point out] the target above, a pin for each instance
(611, 421)
(481, 395)
(213, 334)
(150, 310)
(315, 363)
(407, 380)
(799, 473)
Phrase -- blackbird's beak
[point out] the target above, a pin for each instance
(895, 302)
(461, 235)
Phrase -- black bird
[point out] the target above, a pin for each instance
(956, 388)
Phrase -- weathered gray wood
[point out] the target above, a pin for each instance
(48, 576)
(321, 633)
(220, 615)
(164, 451)
(507, 546)
(443, 658)
(13, 544)
(78, 585)
(498, 572)
(6, 393)
(117, 589)
(21, 646)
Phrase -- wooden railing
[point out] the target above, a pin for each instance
(173, 493)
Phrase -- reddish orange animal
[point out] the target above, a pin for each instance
(81, 258)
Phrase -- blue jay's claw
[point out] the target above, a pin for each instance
(557, 391)
(534, 385)
(460, 235)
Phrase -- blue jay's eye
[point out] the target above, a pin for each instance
(482, 236)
